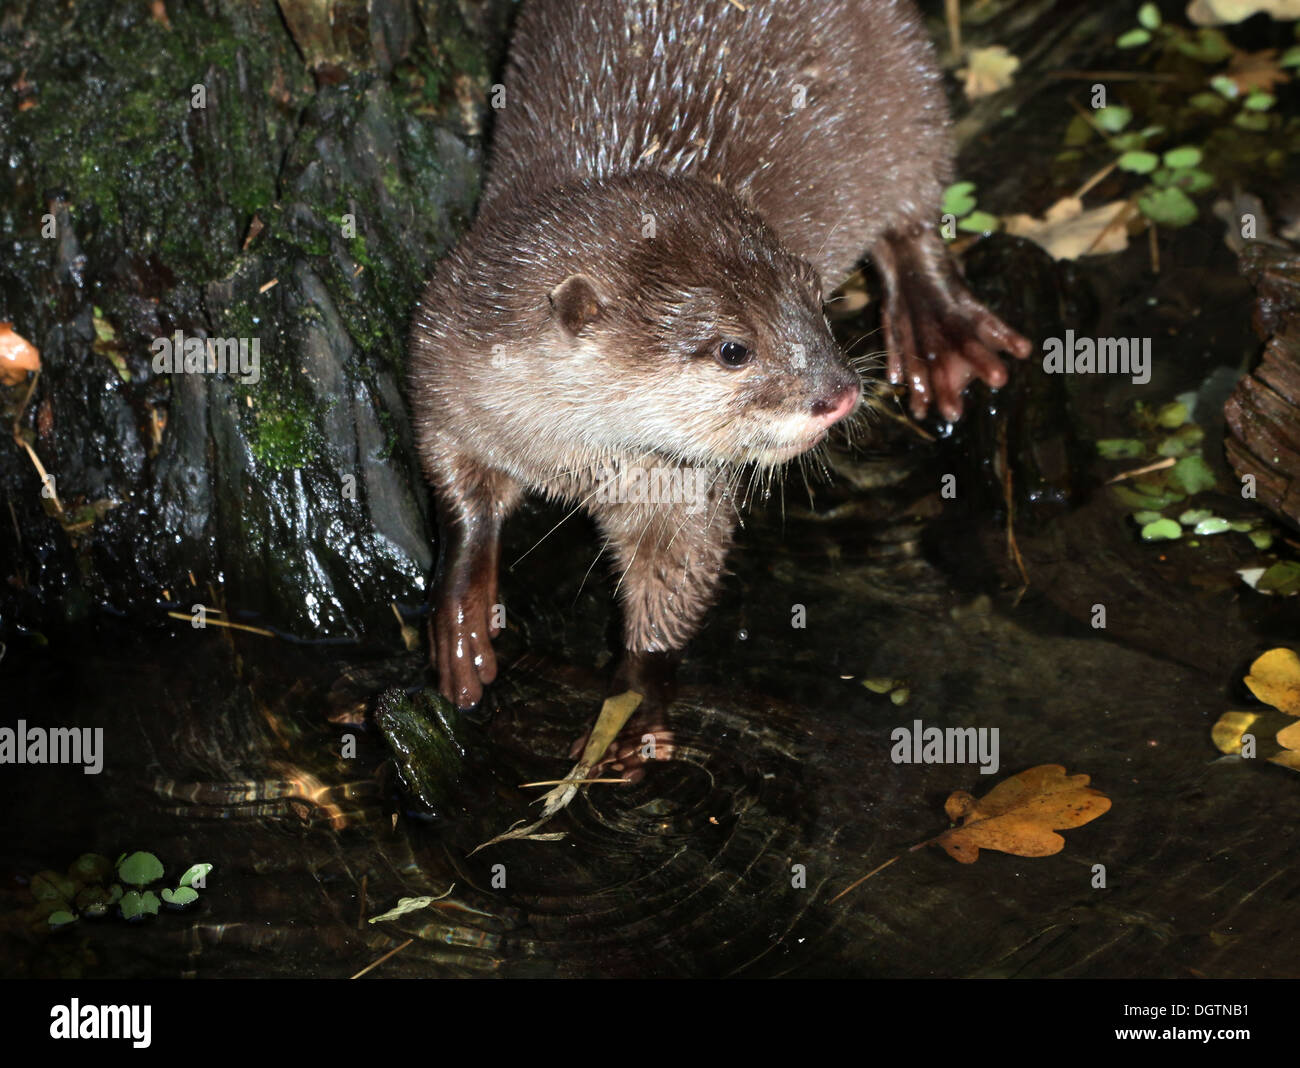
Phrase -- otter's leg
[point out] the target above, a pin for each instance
(938, 335)
(473, 502)
(668, 562)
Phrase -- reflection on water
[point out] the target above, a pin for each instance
(234, 749)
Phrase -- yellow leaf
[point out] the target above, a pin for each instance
(1275, 679)
(1289, 738)
(1022, 814)
(1227, 731)
(1287, 759)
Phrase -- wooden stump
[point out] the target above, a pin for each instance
(1263, 413)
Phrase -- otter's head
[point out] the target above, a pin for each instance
(701, 337)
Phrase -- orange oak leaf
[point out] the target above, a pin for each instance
(1021, 815)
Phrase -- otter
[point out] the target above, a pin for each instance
(675, 188)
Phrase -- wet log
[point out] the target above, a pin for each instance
(1263, 413)
(270, 179)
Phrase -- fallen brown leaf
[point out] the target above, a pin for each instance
(1021, 815)
(1068, 232)
(1257, 70)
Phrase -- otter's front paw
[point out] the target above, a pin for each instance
(645, 739)
(460, 643)
(938, 335)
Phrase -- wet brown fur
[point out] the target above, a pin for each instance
(667, 175)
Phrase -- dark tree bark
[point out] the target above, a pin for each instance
(284, 175)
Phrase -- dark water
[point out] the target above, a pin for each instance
(226, 748)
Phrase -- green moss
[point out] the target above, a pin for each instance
(114, 129)
(283, 435)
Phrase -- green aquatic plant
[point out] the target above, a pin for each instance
(86, 892)
(959, 202)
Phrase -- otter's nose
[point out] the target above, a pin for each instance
(829, 412)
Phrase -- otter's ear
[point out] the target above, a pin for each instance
(575, 303)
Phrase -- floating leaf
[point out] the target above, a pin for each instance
(1225, 85)
(1256, 70)
(410, 904)
(1289, 738)
(1228, 729)
(1211, 102)
(1068, 232)
(979, 222)
(1275, 679)
(61, 918)
(1254, 121)
(1186, 156)
(1184, 442)
(1162, 530)
(139, 869)
(180, 898)
(958, 199)
(1189, 180)
(1282, 579)
(1213, 525)
(1138, 162)
(1145, 517)
(1168, 207)
(1191, 474)
(1172, 415)
(1149, 16)
(132, 904)
(1113, 119)
(1121, 449)
(880, 685)
(900, 696)
(195, 873)
(1021, 815)
(1259, 101)
(1194, 515)
(1291, 57)
(1133, 39)
(1134, 498)
(1261, 539)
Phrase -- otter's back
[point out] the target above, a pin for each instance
(828, 115)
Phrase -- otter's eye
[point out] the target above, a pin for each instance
(733, 354)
